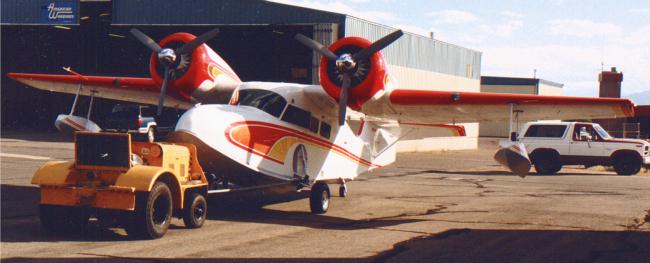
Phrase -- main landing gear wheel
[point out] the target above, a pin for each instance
(153, 213)
(196, 209)
(319, 199)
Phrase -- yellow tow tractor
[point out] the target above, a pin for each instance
(137, 185)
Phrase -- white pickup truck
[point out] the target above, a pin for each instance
(553, 144)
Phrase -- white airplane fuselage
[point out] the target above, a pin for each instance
(253, 143)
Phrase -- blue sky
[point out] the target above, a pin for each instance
(564, 40)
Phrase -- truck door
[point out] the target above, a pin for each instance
(585, 141)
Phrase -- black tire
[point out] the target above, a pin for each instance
(320, 198)
(547, 163)
(196, 209)
(63, 219)
(627, 164)
(343, 191)
(153, 213)
(151, 134)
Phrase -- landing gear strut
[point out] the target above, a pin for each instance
(343, 189)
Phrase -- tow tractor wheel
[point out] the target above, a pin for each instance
(153, 213)
(319, 199)
(63, 219)
(196, 209)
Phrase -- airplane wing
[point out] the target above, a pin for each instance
(138, 90)
(420, 106)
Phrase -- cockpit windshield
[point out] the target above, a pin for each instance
(268, 101)
(602, 132)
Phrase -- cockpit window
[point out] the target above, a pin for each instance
(268, 101)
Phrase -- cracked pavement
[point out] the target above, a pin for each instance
(456, 206)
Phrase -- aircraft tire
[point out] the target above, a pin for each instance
(196, 209)
(153, 213)
(319, 198)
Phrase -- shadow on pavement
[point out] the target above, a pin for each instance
(19, 200)
(466, 245)
(33, 135)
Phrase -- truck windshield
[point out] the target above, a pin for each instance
(602, 132)
(268, 101)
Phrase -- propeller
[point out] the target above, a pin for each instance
(168, 57)
(346, 64)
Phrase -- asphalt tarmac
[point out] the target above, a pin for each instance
(454, 206)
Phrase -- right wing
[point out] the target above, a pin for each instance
(425, 106)
(138, 90)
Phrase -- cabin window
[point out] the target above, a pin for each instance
(313, 125)
(297, 116)
(546, 131)
(267, 101)
(325, 130)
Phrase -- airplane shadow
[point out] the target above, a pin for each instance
(466, 245)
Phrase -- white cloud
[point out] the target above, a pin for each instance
(583, 28)
(513, 15)
(642, 11)
(504, 29)
(577, 66)
(453, 17)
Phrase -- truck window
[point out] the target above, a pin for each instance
(588, 132)
(268, 101)
(546, 131)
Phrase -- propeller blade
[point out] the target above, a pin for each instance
(313, 44)
(189, 46)
(146, 40)
(377, 46)
(163, 90)
(343, 98)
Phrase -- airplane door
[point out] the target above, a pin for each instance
(585, 141)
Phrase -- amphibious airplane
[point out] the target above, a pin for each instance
(260, 134)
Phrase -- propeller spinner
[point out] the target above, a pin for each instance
(168, 57)
(346, 64)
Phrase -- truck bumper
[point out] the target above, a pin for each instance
(646, 161)
(112, 197)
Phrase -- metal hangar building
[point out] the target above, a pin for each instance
(256, 38)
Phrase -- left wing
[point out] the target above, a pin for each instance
(419, 106)
(139, 90)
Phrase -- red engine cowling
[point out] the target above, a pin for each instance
(368, 79)
(191, 71)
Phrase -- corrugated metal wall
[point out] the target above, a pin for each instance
(215, 12)
(432, 55)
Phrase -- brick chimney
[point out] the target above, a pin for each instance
(610, 87)
(610, 83)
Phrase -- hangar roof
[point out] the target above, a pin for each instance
(508, 81)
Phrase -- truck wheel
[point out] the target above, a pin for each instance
(627, 164)
(319, 199)
(63, 219)
(196, 209)
(153, 213)
(547, 163)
